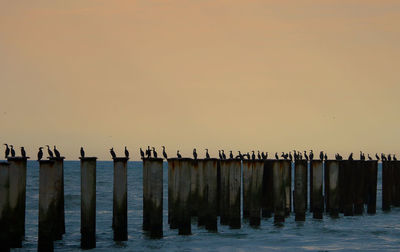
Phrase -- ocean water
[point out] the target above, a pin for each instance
(367, 232)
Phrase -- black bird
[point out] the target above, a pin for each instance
(362, 156)
(295, 155)
(311, 155)
(276, 156)
(82, 153)
(178, 154)
(219, 154)
(253, 155)
(239, 156)
(290, 156)
(266, 155)
(40, 154)
(142, 153)
(305, 155)
(263, 155)
(164, 153)
(23, 153)
(194, 154)
(394, 157)
(300, 156)
(369, 157)
(350, 156)
(112, 153)
(148, 152)
(230, 155)
(223, 154)
(56, 152)
(49, 151)
(154, 152)
(326, 157)
(207, 155)
(377, 157)
(321, 155)
(389, 157)
(383, 157)
(126, 152)
(248, 156)
(258, 155)
(7, 151)
(12, 151)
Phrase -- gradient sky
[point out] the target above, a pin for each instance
(271, 75)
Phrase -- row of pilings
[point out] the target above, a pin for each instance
(210, 189)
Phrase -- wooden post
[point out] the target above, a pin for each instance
(348, 187)
(300, 189)
(60, 216)
(318, 198)
(246, 188)
(279, 186)
(332, 186)
(17, 199)
(185, 166)
(211, 193)
(194, 188)
(386, 185)
(396, 183)
(201, 192)
(88, 202)
(267, 196)
(224, 192)
(257, 169)
(4, 206)
(359, 186)
(173, 192)
(311, 186)
(235, 178)
(287, 178)
(372, 179)
(48, 194)
(120, 199)
(153, 196)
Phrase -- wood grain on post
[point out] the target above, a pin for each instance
(300, 189)
(332, 186)
(4, 206)
(120, 199)
(267, 207)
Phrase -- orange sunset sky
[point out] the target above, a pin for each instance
(241, 75)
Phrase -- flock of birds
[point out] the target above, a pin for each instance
(151, 152)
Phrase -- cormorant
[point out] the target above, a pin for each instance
(383, 157)
(164, 153)
(263, 155)
(305, 155)
(112, 153)
(362, 156)
(258, 155)
(223, 154)
(207, 155)
(290, 156)
(178, 154)
(230, 155)
(142, 153)
(248, 156)
(266, 155)
(296, 156)
(126, 152)
(321, 155)
(253, 155)
(56, 152)
(194, 154)
(82, 153)
(40, 154)
(49, 151)
(219, 154)
(377, 157)
(389, 157)
(350, 156)
(148, 152)
(300, 156)
(276, 156)
(326, 157)
(7, 151)
(23, 153)
(12, 151)
(154, 152)
(394, 157)
(240, 156)
(311, 155)
(369, 157)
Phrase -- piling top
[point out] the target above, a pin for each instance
(46, 161)
(152, 159)
(121, 159)
(230, 160)
(17, 158)
(4, 163)
(87, 158)
(182, 159)
(56, 158)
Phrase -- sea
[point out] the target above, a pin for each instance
(377, 232)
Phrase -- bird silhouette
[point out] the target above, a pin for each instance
(23, 153)
(126, 152)
(178, 154)
(164, 153)
(207, 155)
(7, 152)
(362, 156)
(82, 153)
(321, 155)
(223, 154)
(239, 156)
(12, 151)
(311, 155)
(266, 155)
(300, 156)
(194, 154)
(389, 157)
(230, 155)
(248, 156)
(154, 152)
(326, 157)
(263, 155)
(142, 153)
(258, 155)
(383, 157)
(219, 154)
(369, 157)
(113, 153)
(305, 155)
(148, 152)
(290, 156)
(49, 152)
(253, 155)
(276, 156)
(394, 157)
(377, 157)
(56, 152)
(350, 156)
(40, 154)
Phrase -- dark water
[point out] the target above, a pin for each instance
(367, 232)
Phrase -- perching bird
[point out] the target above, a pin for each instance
(207, 155)
(276, 156)
(248, 156)
(389, 157)
(377, 157)
(230, 155)
(82, 153)
(219, 154)
(7, 151)
(126, 152)
(394, 157)
(178, 154)
(305, 155)
(223, 155)
(383, 157)
(40, 154)
(56, 152)
(49, 151)
(266, 155)
(194, 154)
(321, 155)
(239, 156)
(164, 153)
(253, 155)
(350, 156)
(154, 152)
(148, 152)
(369, 157)
(23, 153)
(311, 155)
(112, 153)
(263, 155)
(290, 156)
(362, 156)
(12, 151)
(326, 157)
(283, 155)
(258, 155)
(142, 153)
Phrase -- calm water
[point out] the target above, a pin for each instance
(367, 232)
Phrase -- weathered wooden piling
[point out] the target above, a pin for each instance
(300, 189)
(347, 186)
(224, 192)
(317, 192)
(194, 188)
(210, 193)
(267, 207)
(255, 169)
(371, 185)
(332, 187)
(279, 187)
(201, 192)
(235, 178)
(120, 199)
(48, 196)
(60, 215)
(17, 200)
(173, 190)
(359, 186)
(386, 186)
(185, 165)
(287, 178)
(88, 202)
(246, 188)
(396, 183)
(4, 206)
(153, 196)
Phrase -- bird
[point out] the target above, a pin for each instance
(394, 157)
(112, 153)
(239, 156)
(126, 152)
(383, 157)
(369, 157)
(283, 155)
(154, 152)
(295, 155)
(248, 156)
(321, 155)
(389, 157)
(326, 157)
(223, 154)
(178, 154)
(23, 153)
(311, 155)
(263, 155)
(219, 154)
(300, 156)
(164, 153)
(49, 151)
(12, 151)
(290, 156)
(362, 156)
(142, 153)
(350, 156)
(266, 155)
(7, 151)
(207, 155)
(56, 152)
(82, 153)
(40, 154)
(305, 155)
(276, 156)
(194, 154)
(377, 157)
(258, 155)
(253, 155)
(230, 155)
(148, 152)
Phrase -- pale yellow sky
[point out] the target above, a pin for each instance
(240, 75)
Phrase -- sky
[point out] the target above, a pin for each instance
(269, 75)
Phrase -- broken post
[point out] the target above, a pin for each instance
(267, 197)
(300, 189)
(88, 202)
(120, 199)
(318, 198)
(4, 206)
(332, 186)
